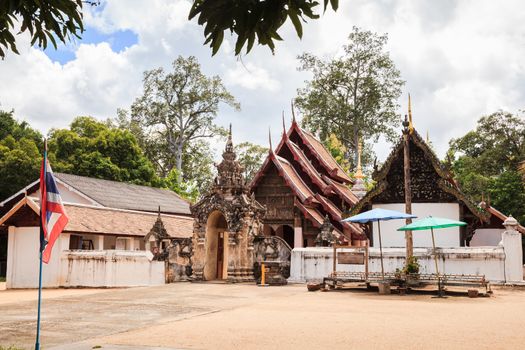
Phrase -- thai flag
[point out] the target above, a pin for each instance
(52, 213)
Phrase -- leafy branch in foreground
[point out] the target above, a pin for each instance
(45, 20)
(249, 19)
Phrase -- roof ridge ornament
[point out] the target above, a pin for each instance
(270, 139)
(284, 127)
(293, 113)
(411, 124)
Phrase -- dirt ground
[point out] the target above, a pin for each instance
(242, 316)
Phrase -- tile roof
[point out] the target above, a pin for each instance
(293, 179)
(87, 219)
(306, 165)
(342, 190)
(325, 156)
(123, 195)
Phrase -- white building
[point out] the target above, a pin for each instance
(103, 243)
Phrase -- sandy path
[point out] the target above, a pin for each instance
(351, 320)
(19, 295)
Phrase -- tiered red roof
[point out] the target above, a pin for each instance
(319, 183)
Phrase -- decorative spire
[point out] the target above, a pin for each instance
(293, 113)
(410, 124)
(229, 172)
(359, 188)
(284, 126)
(428, 138)
(229, 142)
(270, 139)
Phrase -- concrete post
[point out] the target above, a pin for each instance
(511, 242)
(297, 232)
(99, 242)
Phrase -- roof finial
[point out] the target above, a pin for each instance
(284, 126)
(428, 138)
(410, 125)
(293, 113)
(159, 211)
(406, 125)
(270, 139)
(230, 133)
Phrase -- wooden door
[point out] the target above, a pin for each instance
(220, 255)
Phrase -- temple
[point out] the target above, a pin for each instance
(433, 192)
(302, 186)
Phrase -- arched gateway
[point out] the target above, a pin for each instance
(226, 222)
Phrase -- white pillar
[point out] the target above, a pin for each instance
(99, 242)
(10, 256)
(511, 241)
(297, 232)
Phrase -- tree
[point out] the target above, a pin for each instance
(353, 96)
(486, 161)
(46, 20)
(251, 19)
(95, 149)
(251, 157)
(178, 109)
(20, 155)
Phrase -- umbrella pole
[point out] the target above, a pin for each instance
(381, 249)
(436, 262)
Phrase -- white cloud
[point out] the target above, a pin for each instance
(251, 77)
(461, 59)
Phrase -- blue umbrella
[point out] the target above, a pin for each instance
(379, 214)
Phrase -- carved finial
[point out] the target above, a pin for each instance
(410, 125)
(284, 126)
(270, 139)
(159, 211)
(406, 125)
(229, 142)
(293, 113)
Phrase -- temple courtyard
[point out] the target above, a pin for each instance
(226, 316)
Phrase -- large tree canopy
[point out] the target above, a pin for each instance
(45, 20)
(252, 19)
(176, 111)
(353, 96)
(486, 160)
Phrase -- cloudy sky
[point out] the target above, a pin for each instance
(460, 60)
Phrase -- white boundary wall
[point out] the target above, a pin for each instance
(110, 268)
(502, 263)
(89, 268)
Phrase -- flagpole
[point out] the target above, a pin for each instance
(42, 246)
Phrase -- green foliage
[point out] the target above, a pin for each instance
(411, 265)
(174, 118)
(186, 190)
(19, 154)
(353, 96)
(11, 347)
(95, 149)
(338, 151)
(487, 160)
(249, 20)
(251, 157)
(45, 21)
